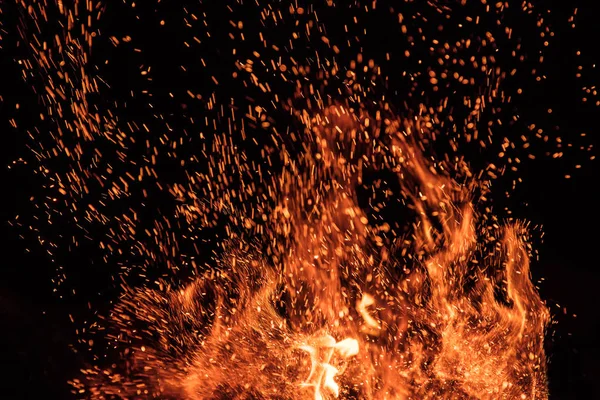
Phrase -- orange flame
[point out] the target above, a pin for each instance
(447, 311)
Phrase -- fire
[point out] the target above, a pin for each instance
(333, 307)
(359, 261)
(322, 373)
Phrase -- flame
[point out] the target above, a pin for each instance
(322, 373)
(358, 264)
(333, 307)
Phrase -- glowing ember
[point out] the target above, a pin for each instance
(362, 257)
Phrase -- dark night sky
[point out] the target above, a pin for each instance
(36, 330)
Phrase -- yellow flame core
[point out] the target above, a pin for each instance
(333, 307)
(322, 372)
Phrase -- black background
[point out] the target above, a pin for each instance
(35, 327)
